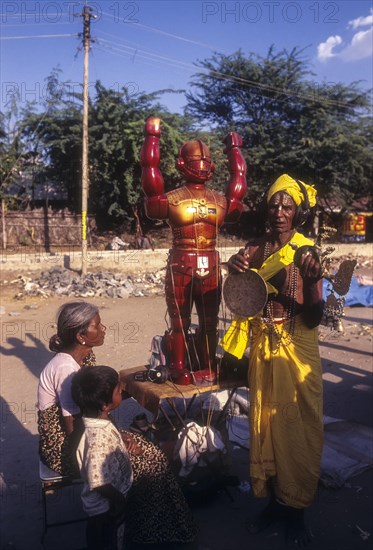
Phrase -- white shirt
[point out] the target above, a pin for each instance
(103, 459)
(55, 384)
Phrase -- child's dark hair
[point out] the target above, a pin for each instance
(92, 388)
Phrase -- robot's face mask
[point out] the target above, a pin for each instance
(195, 161)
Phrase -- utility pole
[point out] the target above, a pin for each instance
(87, 15)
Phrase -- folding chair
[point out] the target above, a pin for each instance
(51, 482)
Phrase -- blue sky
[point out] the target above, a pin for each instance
(152, 44)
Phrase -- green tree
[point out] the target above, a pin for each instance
(289, 123)
(116, 123)
(13, 155)
(116, 134)
(54, 133)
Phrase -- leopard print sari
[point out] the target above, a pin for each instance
(157, 511)
(55, 447)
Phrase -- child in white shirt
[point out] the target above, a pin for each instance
(102, 456)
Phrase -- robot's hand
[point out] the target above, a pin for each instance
(153, 126)
(232, 140)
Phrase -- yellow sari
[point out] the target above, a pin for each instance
(285, 383)
(286, 417)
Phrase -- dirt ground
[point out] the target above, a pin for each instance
(340, 519)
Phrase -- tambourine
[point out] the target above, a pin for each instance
(245, 294)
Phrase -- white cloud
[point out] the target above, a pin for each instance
(325, 49)
(362, 21)
(360, 46)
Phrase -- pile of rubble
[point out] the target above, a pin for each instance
(62, 282)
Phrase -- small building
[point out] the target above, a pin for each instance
(357, 228)
(354, 222)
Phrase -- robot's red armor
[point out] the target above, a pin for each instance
(194, 212)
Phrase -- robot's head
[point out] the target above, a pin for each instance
(195, 161)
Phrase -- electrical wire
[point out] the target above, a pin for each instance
(164, 33)
(26, 37)
(125, 51)
(34, 15)
(136, 52)
(27, 24)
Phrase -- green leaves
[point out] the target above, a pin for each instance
(319, 133)
(116, 123)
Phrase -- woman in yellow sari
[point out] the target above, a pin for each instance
(285, 379)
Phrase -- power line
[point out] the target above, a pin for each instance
(38, 24)
(132, 57)
(165, 33)
(151, 56)
(147, 54)
(126, 51)
(36, 36)
(121, 49)
(15, 15)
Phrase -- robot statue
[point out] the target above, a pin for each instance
(194, 212)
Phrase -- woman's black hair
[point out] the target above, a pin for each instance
(93, 387)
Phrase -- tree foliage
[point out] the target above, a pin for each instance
(116, 122)
(116, 125)
(54, 134)
(116, 133)
(12, 154)
(319, 133)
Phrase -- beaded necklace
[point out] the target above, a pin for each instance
(284, 336)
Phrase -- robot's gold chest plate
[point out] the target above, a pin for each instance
(186, 208)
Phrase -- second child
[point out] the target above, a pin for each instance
(102, 456)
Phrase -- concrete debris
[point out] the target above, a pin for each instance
(117, 244)
(62, 282)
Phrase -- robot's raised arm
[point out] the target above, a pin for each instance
(152, 183)
(237, 185)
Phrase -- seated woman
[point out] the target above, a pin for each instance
(157, 511)
(79, 329)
